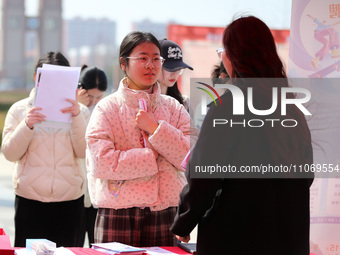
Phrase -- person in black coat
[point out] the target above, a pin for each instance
(240, 212)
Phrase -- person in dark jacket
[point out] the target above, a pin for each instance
(249, 212)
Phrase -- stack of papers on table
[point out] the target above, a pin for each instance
(117, 248)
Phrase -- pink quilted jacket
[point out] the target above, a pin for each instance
(123, 174)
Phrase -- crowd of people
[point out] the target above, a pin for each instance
(115, 171)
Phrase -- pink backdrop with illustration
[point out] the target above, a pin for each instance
(314, 53)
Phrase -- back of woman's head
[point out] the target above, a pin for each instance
(132, 40)
(93, 78)
(250, 46)
(52, 58)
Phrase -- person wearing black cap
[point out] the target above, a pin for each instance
(172, 68)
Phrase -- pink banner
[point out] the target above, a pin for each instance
(314, 53)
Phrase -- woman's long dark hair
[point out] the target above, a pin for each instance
(175, 93)
(250, 47)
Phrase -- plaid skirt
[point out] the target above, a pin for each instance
(135, 226)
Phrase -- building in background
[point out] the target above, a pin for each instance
(92, 42)
(19, 44)
(199, 46)
(157, 29)
(25, 39)
(12, 52)
(50, 26)
(89, 32)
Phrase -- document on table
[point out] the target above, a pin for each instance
(58, 251)
(158, 251)
(55, 84)
(117, 248)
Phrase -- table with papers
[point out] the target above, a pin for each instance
(168, 250)
(88, 251)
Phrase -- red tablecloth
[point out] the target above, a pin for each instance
(88, 251)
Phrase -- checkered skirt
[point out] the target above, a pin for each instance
(135, 226)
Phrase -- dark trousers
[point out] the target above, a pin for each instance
(87, 225)
(58, 222)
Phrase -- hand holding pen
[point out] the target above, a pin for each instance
(144, 119)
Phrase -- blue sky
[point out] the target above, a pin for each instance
(276, 13)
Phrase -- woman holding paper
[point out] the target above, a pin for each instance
(48, 181)
(136, 184)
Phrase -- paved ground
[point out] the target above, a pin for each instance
(7, 200)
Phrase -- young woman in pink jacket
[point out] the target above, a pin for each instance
(134, 155)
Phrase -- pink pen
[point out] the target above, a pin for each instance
(143, 105)
(186, 159)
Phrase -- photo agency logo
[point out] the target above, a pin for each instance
(240, 101)
(204, 112)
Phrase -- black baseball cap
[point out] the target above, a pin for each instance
(172, 54)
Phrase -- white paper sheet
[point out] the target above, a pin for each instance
(158, 251)
(66, 68)
(54, 85)
(58, 251)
